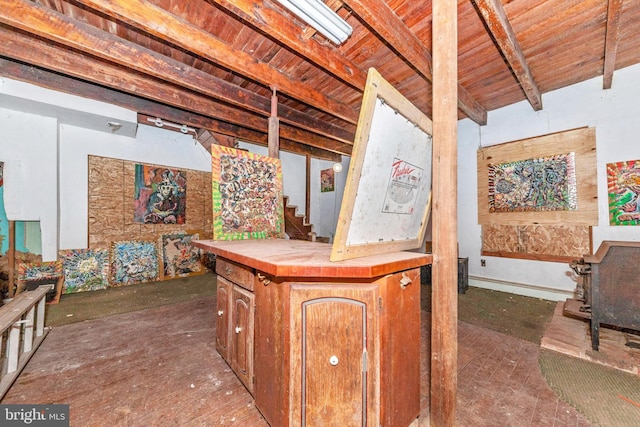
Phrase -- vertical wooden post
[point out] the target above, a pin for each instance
(444, 323)
(274, 127)
(11, 256)
(307, 201)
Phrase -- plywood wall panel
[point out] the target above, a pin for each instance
(581, 142)
(542, 242)
(111, 204)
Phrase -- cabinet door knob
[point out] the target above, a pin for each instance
(263, 279)
(220, 313)
(405, 281)
(227, 270)
(238, 329)
(333, 360)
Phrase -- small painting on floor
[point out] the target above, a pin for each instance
(179, 257)
(84, 269)
(133, 261)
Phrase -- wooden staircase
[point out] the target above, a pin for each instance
(296, 225)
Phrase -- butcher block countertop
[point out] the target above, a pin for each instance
(301, 258)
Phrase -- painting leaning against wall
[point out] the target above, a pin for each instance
(623, 183)
(84, 269)
(179, 258)
(160, 195)
(133, 261)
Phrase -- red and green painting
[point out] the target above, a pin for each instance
(623, 184)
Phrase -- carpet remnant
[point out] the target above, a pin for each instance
(607, 396)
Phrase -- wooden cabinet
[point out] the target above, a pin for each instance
(318, 342)
(339, 353)
(241, 345)
(235, 319)
(335, 358)
(223, 320)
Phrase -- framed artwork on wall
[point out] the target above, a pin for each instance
(246, 194)
(327, 177)
(387, 199)
(160, 195)
(623, 184)
(548, 179)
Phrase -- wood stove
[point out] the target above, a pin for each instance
(610, 292)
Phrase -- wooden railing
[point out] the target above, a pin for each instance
(21, 332)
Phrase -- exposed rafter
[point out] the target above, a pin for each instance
(495, 19)
(378, 15)
(614, 12)
(160, 23)
(72, 86)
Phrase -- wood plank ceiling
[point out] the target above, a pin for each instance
(215, 64)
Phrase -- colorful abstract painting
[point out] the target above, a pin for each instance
(247, 195)
(179, 257)
(541, 184)
(39, 270)
(160, 195)
(327, 180)
(623, 183)
(132, 262)
(85, 269)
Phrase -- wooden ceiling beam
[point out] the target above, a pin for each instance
(160, 23)
(270, 21)
(614, 12)
(379, 16)
(495, 19)
(197, 111)
(59, 28)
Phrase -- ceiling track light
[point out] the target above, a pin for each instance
(321, 17)
(161, 123)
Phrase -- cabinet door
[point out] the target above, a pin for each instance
(223, 319)
(241, 350)
(334, 355)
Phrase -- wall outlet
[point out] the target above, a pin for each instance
(483, 263)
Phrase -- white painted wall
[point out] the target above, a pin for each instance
(49, 150)
(30, 168)
(46, 156)
(151, 145)
(325, 207)
(614, 114)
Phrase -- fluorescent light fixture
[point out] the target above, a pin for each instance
(321, 17)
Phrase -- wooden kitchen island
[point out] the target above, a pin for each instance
(319, 342)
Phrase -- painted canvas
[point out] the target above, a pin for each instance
(247, 195)
(623, 183)
(133, 261)
(160, 195)
(85, 269)
(39, 270)
(179, 257)
(539, 184)
(327, 180)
